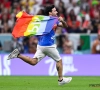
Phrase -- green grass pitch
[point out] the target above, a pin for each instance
(48, 83)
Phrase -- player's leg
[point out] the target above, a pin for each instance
(27, 59)
(54, 54)
(32, 61)
(39, 55)
(62, 80)
(59, 67)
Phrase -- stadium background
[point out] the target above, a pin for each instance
(75, 44)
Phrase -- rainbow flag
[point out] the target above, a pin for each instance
(28, 25)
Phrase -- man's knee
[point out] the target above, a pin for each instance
(59, 62)
(34, 61)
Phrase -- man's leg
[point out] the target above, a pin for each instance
(62, 80)
(59, 69)
(29, 60)
(32, 61)
(54, 54)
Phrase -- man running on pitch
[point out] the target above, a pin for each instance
(46, 47)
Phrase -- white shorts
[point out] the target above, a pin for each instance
(50, 51)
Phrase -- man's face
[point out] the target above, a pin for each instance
(54, 12)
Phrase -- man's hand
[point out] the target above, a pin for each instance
(61, 19)
(62, 23)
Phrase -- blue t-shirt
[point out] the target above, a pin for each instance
(47, 39)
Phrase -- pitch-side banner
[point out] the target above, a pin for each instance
(73, 65)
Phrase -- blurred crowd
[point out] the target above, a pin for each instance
(82, 16)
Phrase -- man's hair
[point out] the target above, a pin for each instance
(48, 9)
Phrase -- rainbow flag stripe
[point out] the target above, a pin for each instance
(28, 25)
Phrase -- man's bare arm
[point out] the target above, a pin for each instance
(62, 23)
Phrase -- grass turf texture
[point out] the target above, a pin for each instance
(47, 83)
